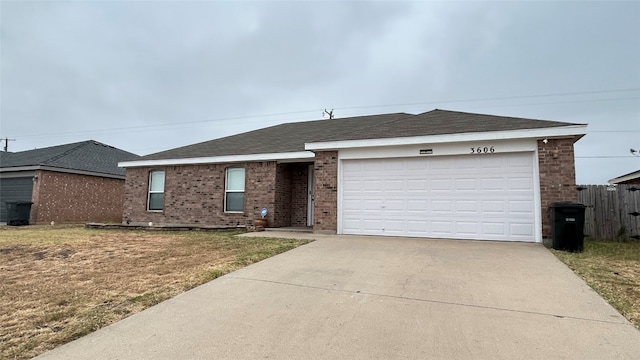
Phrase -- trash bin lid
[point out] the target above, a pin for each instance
(567, 204)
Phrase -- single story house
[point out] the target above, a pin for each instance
(439, 174)
(75, 182)
(627, 179)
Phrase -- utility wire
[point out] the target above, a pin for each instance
(497, 98)
(157, 127)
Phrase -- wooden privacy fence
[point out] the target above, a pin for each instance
(612, 212)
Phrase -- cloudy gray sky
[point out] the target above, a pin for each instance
(147, 76)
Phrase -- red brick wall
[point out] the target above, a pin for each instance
(557, 177)
(299, 198)
(282, 206)
(64, 197)
(194, 194)
(326, 192)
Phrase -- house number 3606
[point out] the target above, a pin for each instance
(482, 150)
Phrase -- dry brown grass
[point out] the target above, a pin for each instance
(613, 270)
(60, 283)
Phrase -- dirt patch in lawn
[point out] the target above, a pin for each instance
(613, 270)
(61, 283)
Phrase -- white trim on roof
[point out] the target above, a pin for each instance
(551, 132)
(285, 157)
(623, 178)
(9, 170)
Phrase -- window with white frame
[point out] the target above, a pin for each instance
(155, 202)
(234, 190)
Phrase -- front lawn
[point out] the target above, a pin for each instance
(60, 283)
(613, 270)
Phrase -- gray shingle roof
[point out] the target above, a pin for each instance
(281, 138)
(90, 156)
(291, 137)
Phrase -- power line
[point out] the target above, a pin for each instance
(558, 102)
(497, 98)
(235, 118)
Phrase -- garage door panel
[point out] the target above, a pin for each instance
(417, 205)
(466, 209)
(351, 185)
(395, 225)
(441, 163)
(525, 207)
(520, 184)
(394, 184)
(416, 226)
(442, 228)
(494, 229)
(395, 206)
(465, 163)
(493, 207)
(373, 205)
(466, 184)
(391, 165)
(441, 185)
(370, 185)
(417, 184)
(467, 228)
(492, 184)
(469, 197)
(520, 229)
(442, 207)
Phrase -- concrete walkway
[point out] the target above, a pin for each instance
(349, 297)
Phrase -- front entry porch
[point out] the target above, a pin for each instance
(293, 207)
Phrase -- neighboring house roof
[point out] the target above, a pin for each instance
(630, 177)
(296, 137)
(85, 157)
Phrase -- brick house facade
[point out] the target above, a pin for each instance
(70, 183)
(70, 198)
(557, 176)
(194, 194)
(326, 192)
(194, 191)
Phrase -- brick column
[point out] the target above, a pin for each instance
(557, 178)
(39, 177)
(325, 209)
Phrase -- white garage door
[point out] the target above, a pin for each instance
(484, 197)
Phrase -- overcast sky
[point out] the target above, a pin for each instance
(147, 76)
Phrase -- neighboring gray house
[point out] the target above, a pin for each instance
(441, 174)
(67, 183)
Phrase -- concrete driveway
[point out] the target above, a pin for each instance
(349, 297)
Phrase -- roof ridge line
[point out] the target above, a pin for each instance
(378, 124)
(67, 152)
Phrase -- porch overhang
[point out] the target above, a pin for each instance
(298, 156)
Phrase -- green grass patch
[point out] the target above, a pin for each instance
(612, 269)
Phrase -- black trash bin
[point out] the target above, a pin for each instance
(567, 226)
(18, 212)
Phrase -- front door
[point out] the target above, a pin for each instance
(310, 198)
